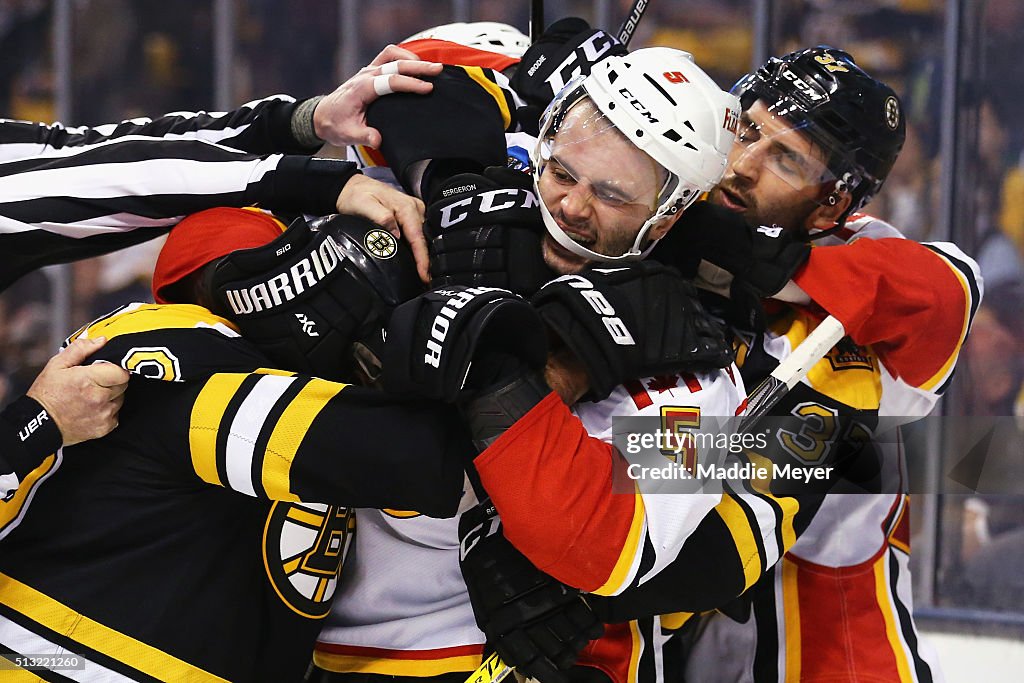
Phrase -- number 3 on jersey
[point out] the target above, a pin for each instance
(155, 362)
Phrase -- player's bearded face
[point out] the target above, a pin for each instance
(598, 186)
(774, 174)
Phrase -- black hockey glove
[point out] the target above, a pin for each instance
(760, 259)
(568, 48)
(625, 323)
(294, 299)
(433, 339)
(486, 230)
(535, 623)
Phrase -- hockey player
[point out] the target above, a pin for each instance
(202, 539)
(144, 175)
(614, 172)
(817, 138)
(487, 44)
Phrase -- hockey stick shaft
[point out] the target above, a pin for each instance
(636, 12)
(790, 371)
(492, 670)
(536, 20)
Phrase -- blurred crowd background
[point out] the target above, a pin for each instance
(960, 176)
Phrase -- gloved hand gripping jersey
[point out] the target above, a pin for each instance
(487, 230)
(627, 323)
(760, 258)
(436, 339)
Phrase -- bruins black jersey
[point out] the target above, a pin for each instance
(203, 538)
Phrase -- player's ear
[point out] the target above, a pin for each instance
(825, 215)
(661, 228)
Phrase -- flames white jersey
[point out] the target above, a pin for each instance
(402, 606)
(844, 587)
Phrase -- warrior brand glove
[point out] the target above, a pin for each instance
(625, 323)
(760, 259)
(536, 624)
(293, 299)
(486, 230)
(568, 48)
(433, 339)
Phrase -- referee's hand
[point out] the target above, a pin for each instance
(82, 399)
(340, 118)
(398, 213)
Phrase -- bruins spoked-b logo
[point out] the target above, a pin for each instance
(381, 243)
(304, 545)
(892, 112)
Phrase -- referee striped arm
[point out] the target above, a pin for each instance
(257, 126)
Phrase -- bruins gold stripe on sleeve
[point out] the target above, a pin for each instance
(287, 434)
(246, 430)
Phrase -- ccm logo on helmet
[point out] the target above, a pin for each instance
(616, 328)
(803, 86)
(443, 320)
(638, 105)
(303, 275)
(486, 202)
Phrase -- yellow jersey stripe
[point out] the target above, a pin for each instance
(10, 510)
(791, 615)
(272, 371)
(205, 423)
(147, 317)
(395, 667)
(888, 610)
(788, 505)
(288, 434)
(621, 570)
(944, 371)
(634, 654)
(858, 388)
(736, 520)
(494, 90)
(93, 635)
(675, 621)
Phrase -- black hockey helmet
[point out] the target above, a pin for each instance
(856, 119)
(316, 294)
(386, 266)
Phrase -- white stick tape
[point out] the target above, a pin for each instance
(389, 68)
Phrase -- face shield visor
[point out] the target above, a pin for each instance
(579, 150)
(776, 134)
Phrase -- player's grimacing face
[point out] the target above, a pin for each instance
(773, 172)
(598, 186)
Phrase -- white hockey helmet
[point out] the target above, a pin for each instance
(663, 103)
(483, 35)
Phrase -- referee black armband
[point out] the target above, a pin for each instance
(27, 436)
(302, 184)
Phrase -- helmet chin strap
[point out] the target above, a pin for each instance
(633, 254)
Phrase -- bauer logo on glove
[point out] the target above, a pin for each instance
(617, 329)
